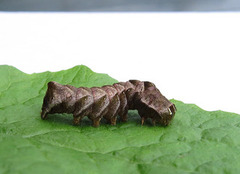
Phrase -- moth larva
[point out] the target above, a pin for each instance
(109, 101)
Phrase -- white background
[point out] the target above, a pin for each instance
(192, 57)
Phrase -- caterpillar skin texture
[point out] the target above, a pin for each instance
(108, 102)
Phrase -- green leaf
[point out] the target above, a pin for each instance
(196, 141)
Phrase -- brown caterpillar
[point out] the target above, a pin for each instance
(108, 102)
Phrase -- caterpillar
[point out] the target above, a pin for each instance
(109, 101)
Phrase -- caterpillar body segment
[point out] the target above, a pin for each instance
(108, 102)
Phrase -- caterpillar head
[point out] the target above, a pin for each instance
(53, 99)
(154, 105)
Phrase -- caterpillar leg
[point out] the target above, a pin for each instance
(110, 119)
(76, 120)
(142, 121)
(113, 120)
(154, 122)
(96, 122)
(124, 116)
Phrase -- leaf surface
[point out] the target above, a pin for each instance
(196, 141)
